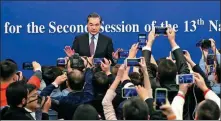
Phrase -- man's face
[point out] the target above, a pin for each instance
(94, 25)
(32, 102)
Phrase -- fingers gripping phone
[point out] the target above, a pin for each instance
(161, 95)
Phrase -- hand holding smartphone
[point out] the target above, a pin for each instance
(161, 95)
(184, 79)
(132, 61)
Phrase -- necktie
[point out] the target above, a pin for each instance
(92, 46)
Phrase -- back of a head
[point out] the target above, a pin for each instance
(136, 78)
(208, 110)
(50, 73)
(100, 82)
(8, 69)
(76, 80)
(15, 93)
(85, 112)
(167, 71)
(135, 109)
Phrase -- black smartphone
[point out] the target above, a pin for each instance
(142, 40)
(160, 97)
(27, 66)
(210, 59)
(161, 30)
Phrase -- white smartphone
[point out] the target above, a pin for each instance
(129, 92)
(161, 95)
(184, 79)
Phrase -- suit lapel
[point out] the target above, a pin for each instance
(99, 44)
(86, 46)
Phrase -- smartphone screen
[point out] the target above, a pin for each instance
(123, 54)
(142, 40)
(161, 96)
(61, 62)
(27, 66)
(161, 30)
(185, 78)
(97, 61)
(210, 59)
(133, 62)
(129, 92)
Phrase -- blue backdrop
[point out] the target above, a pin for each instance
(46, 48)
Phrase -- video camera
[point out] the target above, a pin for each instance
(76, 62)
(204, 44)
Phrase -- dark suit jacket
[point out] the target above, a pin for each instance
(104, 46)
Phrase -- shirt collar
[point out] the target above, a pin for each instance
(95, 36)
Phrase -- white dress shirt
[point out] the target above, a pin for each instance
(32, 113)
(95, 40)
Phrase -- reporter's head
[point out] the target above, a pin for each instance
(167, 71)
(85, 112)
(207, 110)
(136, 78)
(94, 23)
(49, 74)
(100, 82)
(75, 80)
(135, 109)
(32, 101)
(8, 71)
(16, 94)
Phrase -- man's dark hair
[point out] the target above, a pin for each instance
(135, 109)
(160, 59)
(218, 69)
(94, 15)
(30, 87)
(11, 60)
(100, 82)
(7, 69)
(85, 112)
(76, 80)
(208, 110)
(15, 93)
(136, 78)
(50, 73)
(167, 71)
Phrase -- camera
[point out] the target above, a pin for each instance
(204, 44)
(76, 62)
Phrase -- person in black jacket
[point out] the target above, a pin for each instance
(17, 97)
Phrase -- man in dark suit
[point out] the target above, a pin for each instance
(93, 42)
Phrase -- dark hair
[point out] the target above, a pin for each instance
(135, 109)
(218, 73)
(30, 87)
(15, 93)
(100, 82)
(85, 112)
(94, 15)
(160, 59)
(11, 61)
(136, 78)
(208, 110)
(167, 71)
(50, 73)
(7, 68)
(76, 80)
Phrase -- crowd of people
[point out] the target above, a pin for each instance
(94, 91)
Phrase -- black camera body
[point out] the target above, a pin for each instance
(204, 44)
(76, 62)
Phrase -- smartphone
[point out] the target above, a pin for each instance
(132, 61)
(160, 97)
(97, 61)
(184, 79)
(61, 62)
(27, 66)
(142, 40)
(123, 54)
(129, 92)
(210, 59)
(161, 30)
